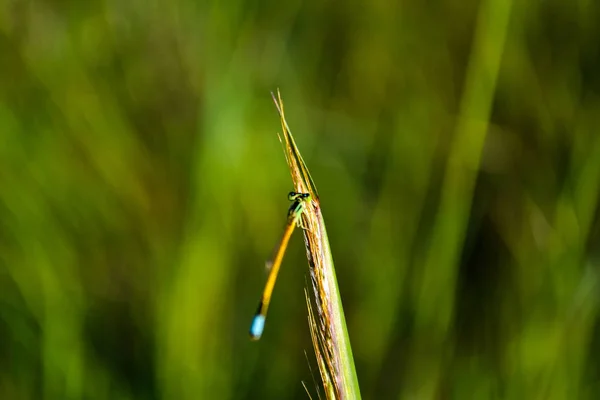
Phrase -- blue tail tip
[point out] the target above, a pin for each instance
(257, 327)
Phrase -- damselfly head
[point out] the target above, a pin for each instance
(295, 196)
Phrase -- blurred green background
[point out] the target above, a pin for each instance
(142, 187)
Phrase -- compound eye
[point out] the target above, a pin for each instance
(293, 196)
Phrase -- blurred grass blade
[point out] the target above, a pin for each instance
(328, 325)
(435, 301)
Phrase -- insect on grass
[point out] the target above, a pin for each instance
(294, 218)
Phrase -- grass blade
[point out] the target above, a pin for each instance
(328, 325)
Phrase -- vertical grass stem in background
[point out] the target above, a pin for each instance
(327, 324)
(435, 297)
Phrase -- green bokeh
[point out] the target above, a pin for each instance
(142, 187)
